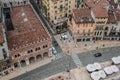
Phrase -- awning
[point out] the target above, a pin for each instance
(116, 60)
(108, 70)
(97, 66)
(90, 68)
(102, 74)
(98, 75)
(111, 69)
(95, 75)
(114, 68)
(93, 67)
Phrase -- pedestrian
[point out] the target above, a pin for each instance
(69, 40)
(85, 44)
(96, 48)
(103, 45)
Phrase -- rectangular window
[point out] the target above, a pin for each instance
(61, 7)
(3, 50)
(4, 53)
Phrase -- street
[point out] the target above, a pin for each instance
(60, 65)
(52, 68)
(48, 26)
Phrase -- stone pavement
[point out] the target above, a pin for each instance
(74, 48)
(22, 70)
(76, 60)
(83, 74)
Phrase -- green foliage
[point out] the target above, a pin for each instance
(65, 24)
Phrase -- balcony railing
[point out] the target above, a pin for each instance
(60, 20)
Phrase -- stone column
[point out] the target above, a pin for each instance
(35, 58)
(42, 56)
(19, 64)
(27, 61)
(117, 38)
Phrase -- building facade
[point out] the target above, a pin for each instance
(5, 66)
(105, 16)
(112, 31)
(83, 25)
(28, 39)
(58, 12)
(100, 16)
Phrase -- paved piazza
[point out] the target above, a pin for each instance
(61, 65)
(83, 74)
(75, 48)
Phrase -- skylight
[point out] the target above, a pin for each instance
(23, 14)
(25, 19)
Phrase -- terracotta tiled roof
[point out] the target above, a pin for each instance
(27, 28)
(117, 13)
(111, 17)
(100, 12)
(98, 7)
(1, 33)
(82, 15)
(112, 3)
(96, 3)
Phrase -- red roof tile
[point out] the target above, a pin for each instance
(100, 12)
(98, 7)
(117, 13)
(113, 4)
(27, 27)
(82, 15)
(96, 3)
(111, 18)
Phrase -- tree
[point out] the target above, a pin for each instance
(64, 25)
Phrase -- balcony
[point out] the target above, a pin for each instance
(60, 20)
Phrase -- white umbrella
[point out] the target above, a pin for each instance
(95, 75)
(108, 70)
(97, 66)
(115, 60)
(119, 59)
(102, 74)
(90, 68)
(114, 68)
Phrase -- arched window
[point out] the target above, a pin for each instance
(15, 56)
(18, 55)
(36, 49)
(45, 46)
(31, 50)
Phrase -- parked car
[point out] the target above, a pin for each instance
(54, 51)
(97, 54)
(64, 37)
